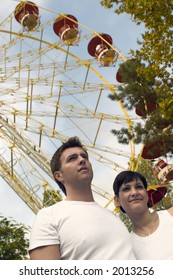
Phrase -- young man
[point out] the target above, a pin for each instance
(77, 228)
(152, 230)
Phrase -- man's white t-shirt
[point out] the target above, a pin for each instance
(83, 230)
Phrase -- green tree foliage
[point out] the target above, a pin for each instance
(146, 169)
(13, 241)
(138, 92)
(154, 75)
(51, 197)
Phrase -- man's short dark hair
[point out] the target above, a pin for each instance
(55, 162)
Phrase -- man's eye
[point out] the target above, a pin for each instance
(85, 156)
(71, 158)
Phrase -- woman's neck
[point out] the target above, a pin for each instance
(146, 224)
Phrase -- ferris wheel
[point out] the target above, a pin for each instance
(54, 85)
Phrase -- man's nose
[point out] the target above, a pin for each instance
(82, 159)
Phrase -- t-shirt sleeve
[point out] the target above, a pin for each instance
(43, 231)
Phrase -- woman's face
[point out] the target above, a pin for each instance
(133, 197)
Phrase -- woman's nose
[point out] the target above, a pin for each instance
(134, 191)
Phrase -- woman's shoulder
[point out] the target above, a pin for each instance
(170, 210)
(166, 213)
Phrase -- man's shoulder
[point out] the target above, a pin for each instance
(52, 208)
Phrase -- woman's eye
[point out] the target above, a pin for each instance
(125, 189)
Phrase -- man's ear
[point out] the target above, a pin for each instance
(58, 176)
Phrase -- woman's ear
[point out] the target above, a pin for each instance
(116, 199)
(117, 203)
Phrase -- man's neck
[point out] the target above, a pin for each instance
(88, 197)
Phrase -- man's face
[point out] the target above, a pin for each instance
(75, 167)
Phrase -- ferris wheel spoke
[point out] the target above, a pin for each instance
(55, 84)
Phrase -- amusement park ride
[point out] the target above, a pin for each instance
(49, 93)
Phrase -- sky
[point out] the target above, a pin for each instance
(94, 17)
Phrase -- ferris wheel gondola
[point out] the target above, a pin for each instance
(163, 170)
(100, 48)
(27, 14)
(49, 93)
(66, 27)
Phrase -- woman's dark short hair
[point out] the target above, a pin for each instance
(55, 162)
(126, 177)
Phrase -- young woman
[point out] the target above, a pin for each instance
(152, 231)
